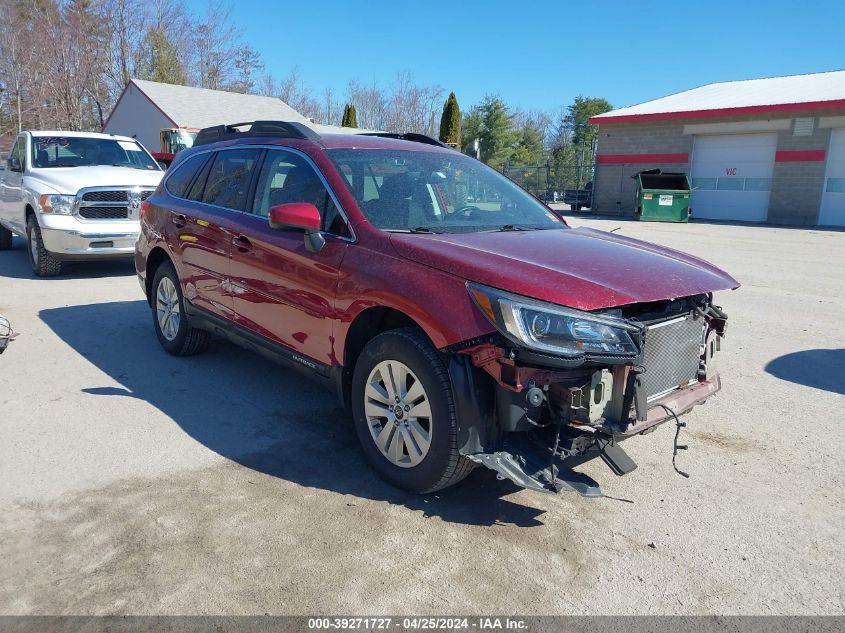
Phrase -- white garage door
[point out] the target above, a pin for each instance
(832, 211)
(732, 176)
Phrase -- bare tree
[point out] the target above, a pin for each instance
(404, 107)
(215, 47)
(247, 63)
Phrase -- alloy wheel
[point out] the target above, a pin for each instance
(167, 308)
(398, 413)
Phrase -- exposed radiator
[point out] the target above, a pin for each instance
(672, 353)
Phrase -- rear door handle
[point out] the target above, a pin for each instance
(179, 220)
(242, 243)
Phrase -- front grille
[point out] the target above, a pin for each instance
(111, 204)
(672, 354)
(104, 213)
(105, 196)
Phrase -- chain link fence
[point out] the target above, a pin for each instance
(553, 182)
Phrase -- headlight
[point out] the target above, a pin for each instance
(553, 329)
(58, 204)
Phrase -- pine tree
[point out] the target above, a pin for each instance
(450, 121)
(350, 117)
(497, 135)
(161, 61)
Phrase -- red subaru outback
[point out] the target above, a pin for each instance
(458, 318)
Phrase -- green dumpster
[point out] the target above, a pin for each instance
(662, 196)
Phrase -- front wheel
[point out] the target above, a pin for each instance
(405, 414)
(44, 263)
(171, 324)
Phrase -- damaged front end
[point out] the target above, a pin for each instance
(569, 386)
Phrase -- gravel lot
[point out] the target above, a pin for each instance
(134, 482)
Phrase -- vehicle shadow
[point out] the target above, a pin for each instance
(819, 368)
(14, 264)
(259, 414)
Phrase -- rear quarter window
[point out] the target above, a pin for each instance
(178, 182)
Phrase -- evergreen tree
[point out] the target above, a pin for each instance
(497, 134)
(577, 119)
(470, 130)
(529, 146)
(161, 61)
(350, 117)
(450, 121)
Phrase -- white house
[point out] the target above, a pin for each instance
(146, 107)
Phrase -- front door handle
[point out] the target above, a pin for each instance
(179, 220)
(242, 243)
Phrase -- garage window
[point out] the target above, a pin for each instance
(704, 184)
(731, 184)
(758, 184)
(835, 185)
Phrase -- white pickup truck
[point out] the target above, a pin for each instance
(74, 195)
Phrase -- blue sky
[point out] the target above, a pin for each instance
(540, 54)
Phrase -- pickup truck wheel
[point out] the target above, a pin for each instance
(44, 263)
(405, 414)
(5, 239)
(170, 321)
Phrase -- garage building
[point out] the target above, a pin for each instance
(144, 108)
(762, 150)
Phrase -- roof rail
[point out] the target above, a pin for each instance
(408, 136)
(284, 129)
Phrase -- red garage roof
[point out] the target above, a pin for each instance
(817, 91)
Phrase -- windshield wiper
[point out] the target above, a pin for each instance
(419, 229)
(517, 227)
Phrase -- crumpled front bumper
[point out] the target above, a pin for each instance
(679, 401)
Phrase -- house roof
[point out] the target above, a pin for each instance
(193, 107)
(773, 94)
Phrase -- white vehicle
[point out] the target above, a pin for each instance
(74, 195)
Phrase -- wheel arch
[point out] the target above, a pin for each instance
(156, 258)
(366, 325)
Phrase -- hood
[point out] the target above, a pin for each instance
(71, 179)
(580, 268)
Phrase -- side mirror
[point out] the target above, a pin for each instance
(300, 216)
(14, 163)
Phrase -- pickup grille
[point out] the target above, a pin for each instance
(111, 204)
(104, 213)
(105, 196)
(672, 354)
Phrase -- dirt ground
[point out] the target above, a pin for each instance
(132, 482)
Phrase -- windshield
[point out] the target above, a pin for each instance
(418, 191)
(80, 151)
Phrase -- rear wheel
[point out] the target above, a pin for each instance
(405, 414)
(44, 263)
(171, 324)
(5, 238)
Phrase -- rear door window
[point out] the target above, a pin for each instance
(196, 191)
(178, 182)
(229, 178)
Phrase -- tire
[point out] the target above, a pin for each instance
(439, 465)
(173, 329)
(44, 263)
(5, 238)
